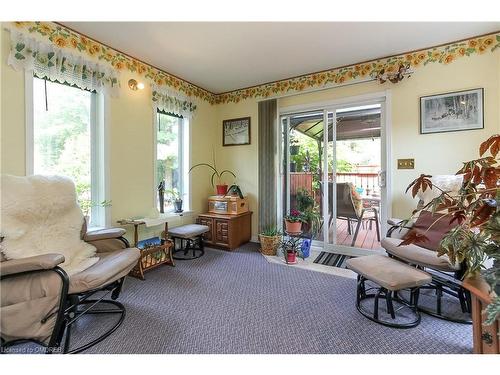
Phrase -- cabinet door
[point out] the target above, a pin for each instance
(221, 232)
(208, 236)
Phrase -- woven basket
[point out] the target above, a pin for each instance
(269, 244)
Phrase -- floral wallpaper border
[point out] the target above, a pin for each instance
(66, 38)
(447, 54)
(330, 78)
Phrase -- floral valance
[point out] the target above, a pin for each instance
(172, 102)
(48, 61)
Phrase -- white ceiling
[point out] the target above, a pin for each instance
(222, 56)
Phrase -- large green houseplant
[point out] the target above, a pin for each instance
(476, 210)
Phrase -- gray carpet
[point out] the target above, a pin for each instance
(237, 302)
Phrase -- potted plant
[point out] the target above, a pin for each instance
(270, 239)
(293, 221)
(310, 211)
(234, 190)
(294, 145)
(476, 210)
(221, 186)
(290, 249)
(173, 196)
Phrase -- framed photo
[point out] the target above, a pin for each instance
(454, 111)
(236, 131)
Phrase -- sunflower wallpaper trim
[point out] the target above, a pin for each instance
(446, 54)
(367, 71)
(66, 38)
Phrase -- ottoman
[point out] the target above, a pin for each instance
(191, 241)
(390, 276)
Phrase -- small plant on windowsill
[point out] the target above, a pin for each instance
(290, 249)
(174, 197)
(293, 221)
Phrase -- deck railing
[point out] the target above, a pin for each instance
(369, 181)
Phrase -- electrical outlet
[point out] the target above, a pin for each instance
(406, 163)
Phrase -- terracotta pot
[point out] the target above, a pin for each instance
(293, 227)
(221, 189)
(291, 257)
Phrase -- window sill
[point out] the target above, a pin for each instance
(171, 214)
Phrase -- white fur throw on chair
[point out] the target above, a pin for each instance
(40, 215)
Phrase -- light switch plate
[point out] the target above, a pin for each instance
(406, 163)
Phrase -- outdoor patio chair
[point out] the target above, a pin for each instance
(350, 208)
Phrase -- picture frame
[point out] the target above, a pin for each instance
(236, 131)
(452, 111)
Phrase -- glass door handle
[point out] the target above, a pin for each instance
(382, 179)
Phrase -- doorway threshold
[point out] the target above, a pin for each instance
(308, 263)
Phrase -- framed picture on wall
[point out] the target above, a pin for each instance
(236, 131)
(454, 111)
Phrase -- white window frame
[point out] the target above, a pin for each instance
(384, 98)
(184, 133)
(99, 178)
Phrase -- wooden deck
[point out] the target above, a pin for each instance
(367, 238)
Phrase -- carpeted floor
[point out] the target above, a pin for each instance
(237, 302)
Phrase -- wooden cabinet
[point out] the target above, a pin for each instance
(226, 231)
(485, 337)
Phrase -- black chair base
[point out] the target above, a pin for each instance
(442, 284)
(390, 297)
(71, 308)
(456, 291)
(119, 309)
(190, 248)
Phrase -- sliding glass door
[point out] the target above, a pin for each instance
(333, 172)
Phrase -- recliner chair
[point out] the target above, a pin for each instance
(446, 276)
(40, 302)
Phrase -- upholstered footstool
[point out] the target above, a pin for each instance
(390, 276)
(191, 240)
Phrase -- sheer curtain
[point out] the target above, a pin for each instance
(58, 64)
(172, 102)
(268, 152)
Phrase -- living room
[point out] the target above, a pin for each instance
(259, 186)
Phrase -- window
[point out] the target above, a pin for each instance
(172, 157)
(63, 139)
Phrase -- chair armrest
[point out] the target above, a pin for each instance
(35, 263)
(394, 221)
(104, 234)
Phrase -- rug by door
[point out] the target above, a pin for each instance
(332, 259)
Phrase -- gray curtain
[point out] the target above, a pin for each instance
(268, 138)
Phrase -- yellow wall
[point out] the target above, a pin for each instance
(131, 133)
(130, 127)
(433, 153)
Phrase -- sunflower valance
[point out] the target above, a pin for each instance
(172, 102)
(59, 64)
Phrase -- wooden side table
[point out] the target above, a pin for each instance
(151, 257)
(485, 337)
(226, 231)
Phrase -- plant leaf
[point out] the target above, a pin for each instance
(422, 182)
(492, 143)
(414, 237)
